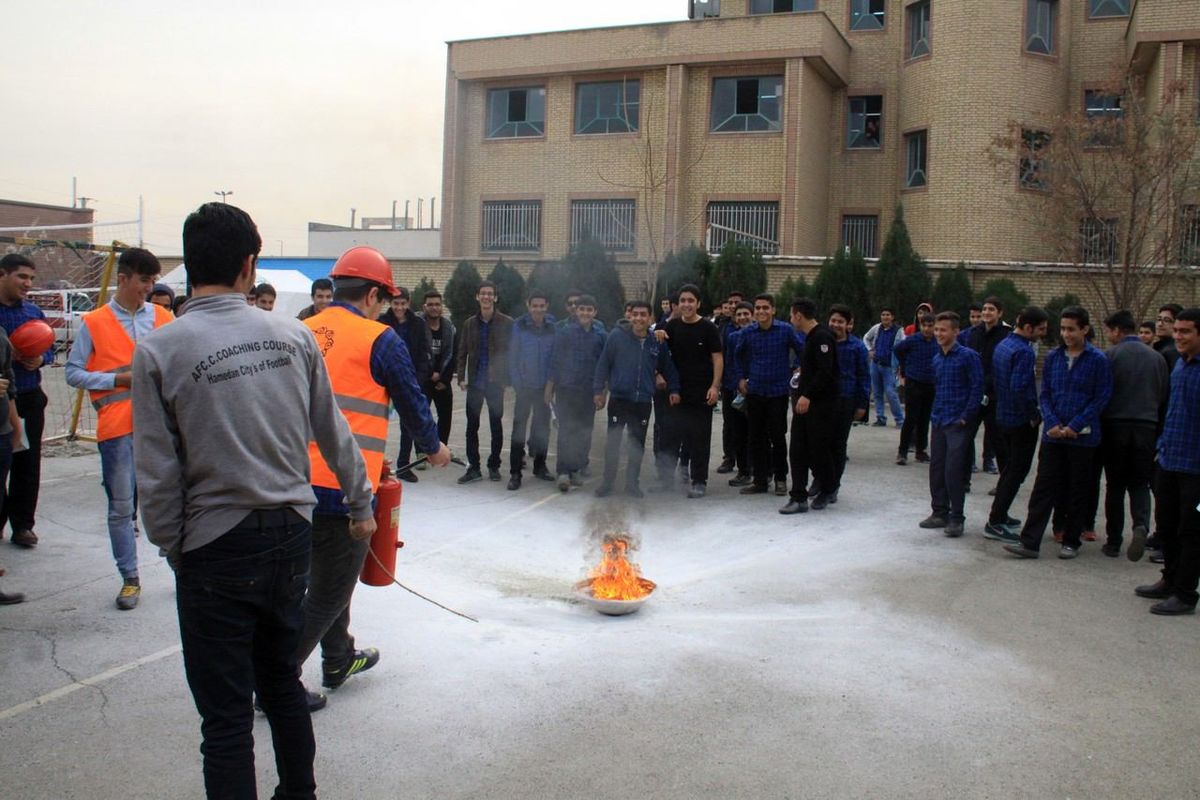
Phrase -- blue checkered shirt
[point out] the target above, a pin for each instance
(11, 318)
(958, 385)
(764, 357)
(1013, 364)
(1074, 394)
(573, 359)
(915, 356)
(1179, 445)
(854, 380)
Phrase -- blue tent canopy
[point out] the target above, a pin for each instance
(313, 268)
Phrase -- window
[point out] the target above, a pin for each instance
(1104, 116)
(512, 225)
(915, 166)
(609, 222)
(865, 122)
(1108, 8)
(746, 104)
(1032, 168)
(1097, 241)
(514, 113)
(866, 15)
(756, 224)
(918, 29)
(781, 6)
(1041, 16)
(1189, 236)
(607, 107)
(859, 232)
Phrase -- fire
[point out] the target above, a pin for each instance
(616, 577)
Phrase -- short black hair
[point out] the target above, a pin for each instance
(265, 290)
(137, 260)
(842, 310)
(1174, 308)
(353, 291)
(805, 306)
(673, 298)
(635, 304)
(253, 292)
(431, 294)
(586, 300)
(975, 306)
(1191, 315)
(888, 309)
(743, 304)
(535, 294)
(1032, 315)
(1077, 313)
(13, 261)
(319, 284)
(765, 297)
(401, 293)
(926, 318)
(691, 289)
(217, 240)
(951, 317)
(736, 293)
(1122, 321)
(993, 300)
(1147, 324)
(571, 293)
(487, 285)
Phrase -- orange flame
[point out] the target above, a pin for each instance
(616, 577)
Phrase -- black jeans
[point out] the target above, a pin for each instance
(1019, 444)
(1178, 524)
(576, 416)
(337, 560)
(529, 403)
(26, 475)
(443, 401)
(986, 418)
(239, 620)
(949, 451)
(687, 435)
(1061, 484)
(812, 448)
(735, 433)
(918, 404)
(767, 419)
(626, 420)
(477, 395)
(1127, 453)
(844, 421)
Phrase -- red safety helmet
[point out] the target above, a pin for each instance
(365, 263)
(32, 338)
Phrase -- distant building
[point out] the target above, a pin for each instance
(56, 265)
(330, 241)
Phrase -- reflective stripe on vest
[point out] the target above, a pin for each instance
(345, 340)
(112, 353)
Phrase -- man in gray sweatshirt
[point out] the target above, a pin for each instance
(225, 402)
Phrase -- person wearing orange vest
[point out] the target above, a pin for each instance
(100, 361)
(369, 368)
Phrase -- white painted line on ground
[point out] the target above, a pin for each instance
(71, 688)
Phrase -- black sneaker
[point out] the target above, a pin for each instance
(471, 475)
(781, 489)
(361, 661)
(698, 490)
(932, 522)
(999, 533)
(1021, 551)
(543, 474)
(1137, 545)
(316, 701)
(794, 507)
(493, 474)
(819, 502)
(514, 482)
(880, 423)
(725, 468)
(408, 476)
(742, 479)
(754, 488)
(954, 529)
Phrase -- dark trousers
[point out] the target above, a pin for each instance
(812, 449)
(688, 437)
(918, 404)
(987, 420)
(477, 395)
(576, 416)
(627, 421)
(949, 451)
(26, 474)
(1062, 479)
(1019, 444)
(735, 433)
(845, 421)
(767, 420)
(1127, 454)
(443, 402)
(337, 561)
(529, 403)
(240, 617)
(1178, 524)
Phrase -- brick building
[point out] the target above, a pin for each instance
(797, 125)
(55, 264)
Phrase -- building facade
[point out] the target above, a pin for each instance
(795, 125)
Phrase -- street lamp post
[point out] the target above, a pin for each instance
(223, 193)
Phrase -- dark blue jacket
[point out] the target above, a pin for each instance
(853, 364)
(529, 352)
(573, 362)
(628, 366)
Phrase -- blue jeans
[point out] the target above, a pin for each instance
(116, 469)
(240, 618)
(883, 382)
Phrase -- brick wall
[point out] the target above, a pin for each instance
(53, 263)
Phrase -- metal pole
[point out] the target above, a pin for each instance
(74, 194)
(353, 211)
(141, 219)
(420, 205)
(432, 200)
(406, 215)
(393, 215)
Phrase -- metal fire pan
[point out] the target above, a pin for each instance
(613, 608)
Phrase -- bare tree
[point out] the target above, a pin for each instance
(1113, 189)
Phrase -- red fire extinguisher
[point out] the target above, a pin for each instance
(380, 566)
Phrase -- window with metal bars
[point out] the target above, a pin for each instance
(1041, 17)
(609, 222)
(860, 232)
(516, 113)
(609, 107)
(866, 15)
(1104, 115)
(1098, 241)
(746, 104)
(1189, 236)
(753, 223)
(512, 225)
(1108, 8)
(919, 28)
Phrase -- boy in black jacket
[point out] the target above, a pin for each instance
(814, 422)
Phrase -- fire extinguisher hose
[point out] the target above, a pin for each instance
(379, 564)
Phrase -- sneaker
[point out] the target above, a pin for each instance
(11, 598)
(879, 423)
(754, 488)
(989, 466)
(131, 592)
(1172, 607)
(795, 507)
(954, 529)
(922, 457)
(814, 490)
(1068, 552)
(1088, 536)
(635, 492)
(408, 476)
(999, 533)
(781, 488)
(25, 538)
(901, 461)
(1156, 557)
(741, 479)
(361, 661)
(585, 472)
(1011, 522)
(316, 701)
(604, 491)
(514, 482)
(1159, 590)
(471, 475)
(564, 483)
(577, 478)
(1021, 551)
(1058, 536)
(932, 521)
(819, 502)
(1111, 550)
(698, 490)
(991, 492)
(832, 498)
(543, 474)
(725, 468)
(493, 474)
(1137, 545)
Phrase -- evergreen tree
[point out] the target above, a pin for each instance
(737, 268)
(692, 264)
(791, 289)
(1012, 297)
(952, 292)
(418, 292)
(591, 270)
(1054, 307)
(461, 290)
(843, 279)
(510, 289)
(552, 278)
(901, 279)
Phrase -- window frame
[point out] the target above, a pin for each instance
(1026, 153)
(575, 200)
(1094, 140)
(1113, 226)
(487, 112)
(850, 16)
(636, 105)
(846, 143)
(751, 12)
(910, 11)
(1091, 6)
(1028, 31)
(765, 201)
(486, 201)
(735, 79)
(908, 173)
(872, 214)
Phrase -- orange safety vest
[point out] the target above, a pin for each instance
(112, 352)
(345, 340)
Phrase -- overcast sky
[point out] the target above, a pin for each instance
(304, 110)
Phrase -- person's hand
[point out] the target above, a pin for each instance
(660, 382)
(3, 385)
(661, 336)
(599, 401)
(123, 379)
(1069, 433)
(32, 363)
(860, 414)
(1055, 432)
(802, 405)
(744, 386)
(462, 385)
(674, 399)
(441, 458)
(363, 528)
(435, 377)
(712, 396)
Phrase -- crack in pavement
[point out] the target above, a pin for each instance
(53, 642)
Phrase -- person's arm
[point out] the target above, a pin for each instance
(460, 356)
(334, 440)
(1022, 381)
(422, 358)
(77, 372)
(974, 390)
(869, 339)
(1046, 398)
(162, 492)
(670, 373)
(862, 383)
(392, 368)
(604, 365)
(514, 363)
(900, 354)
